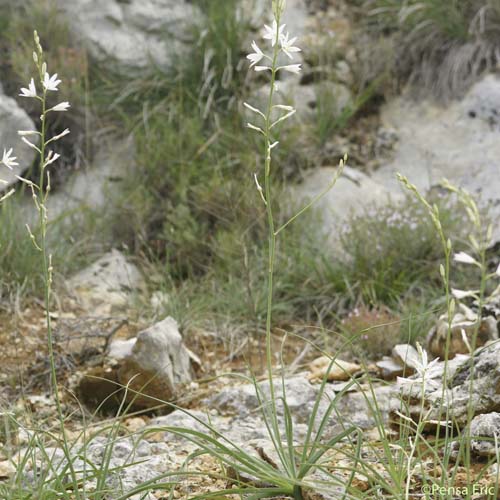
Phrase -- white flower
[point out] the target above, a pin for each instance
(422, 367)
(292, 68)
(255, 56)
(50, 82)
(498, 271)
(27, 132)
(57, 137)
(51, 158)
(62, 106)
(262, 68)
(463, 294)
(464, 258)
(283, 106)
(271, 32)
(254, 127)
(8, 160)
(287, 45)
(30, 91)
(254, 110)
(30, 144)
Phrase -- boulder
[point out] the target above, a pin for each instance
(12, 119)
(154, 365)
(305, 98)
(130, 36)
(108, 285)
(92, 188)
(353, 193)
(459, 141)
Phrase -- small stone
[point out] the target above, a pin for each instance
(406, 355)
(135, 424)
(7, 470)
(389, 369)
(339, 370)
(154, 365)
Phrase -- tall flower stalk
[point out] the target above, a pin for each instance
(38, 140)
(282, 47)
(40, 191)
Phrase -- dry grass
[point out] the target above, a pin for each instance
(443, 46)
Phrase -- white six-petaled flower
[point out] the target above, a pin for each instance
(30, 91)
(464, 258)
(62, 106)
(287, 45)
(50, 82)
(8, 160)
(292, 68)
(27, 132)
(59, 136)
(422, 368)
(463, 294)
(256, 56)
(273, 33)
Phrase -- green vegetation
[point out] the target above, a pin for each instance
(190, 210)
(442, 45)
(20, 275)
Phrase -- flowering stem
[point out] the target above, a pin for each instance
(270, 222)
(40, 199)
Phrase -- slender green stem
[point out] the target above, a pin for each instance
(43, 192)
(271, 235)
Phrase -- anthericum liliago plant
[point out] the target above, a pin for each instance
(291, 475)
(37, 139)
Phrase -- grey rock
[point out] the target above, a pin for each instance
(157, 365)
(234, 428)
(364, 408)
(353, 193)
(487, 427)
(305, 98)
(154, 365)
(108, 285)
(458, 141)
(12, 119)
(389, 368)
(243, 401)
(483, 102)
(130, 36)
(406, 355)
(356, 408)
(92, 187)
(483, 395)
